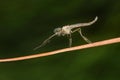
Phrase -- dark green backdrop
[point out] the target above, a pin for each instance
(24, 24)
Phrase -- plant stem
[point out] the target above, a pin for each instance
(95, 44)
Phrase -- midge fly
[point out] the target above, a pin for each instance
(68, 30)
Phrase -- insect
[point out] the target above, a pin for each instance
(68, 30)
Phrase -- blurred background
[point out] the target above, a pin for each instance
(24, 24)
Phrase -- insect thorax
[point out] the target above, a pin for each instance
(66, 29)
(62, 31)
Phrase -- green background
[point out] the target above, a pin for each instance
(24, 24)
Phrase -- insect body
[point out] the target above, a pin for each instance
(67, 30)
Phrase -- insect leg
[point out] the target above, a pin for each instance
(70, 40)
(45, 42)
(75, 30)
(86, 39)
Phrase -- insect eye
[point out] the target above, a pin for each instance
(57, 30)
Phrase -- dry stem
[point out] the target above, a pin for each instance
(95, 44)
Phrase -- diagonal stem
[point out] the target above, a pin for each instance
(95, 44)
